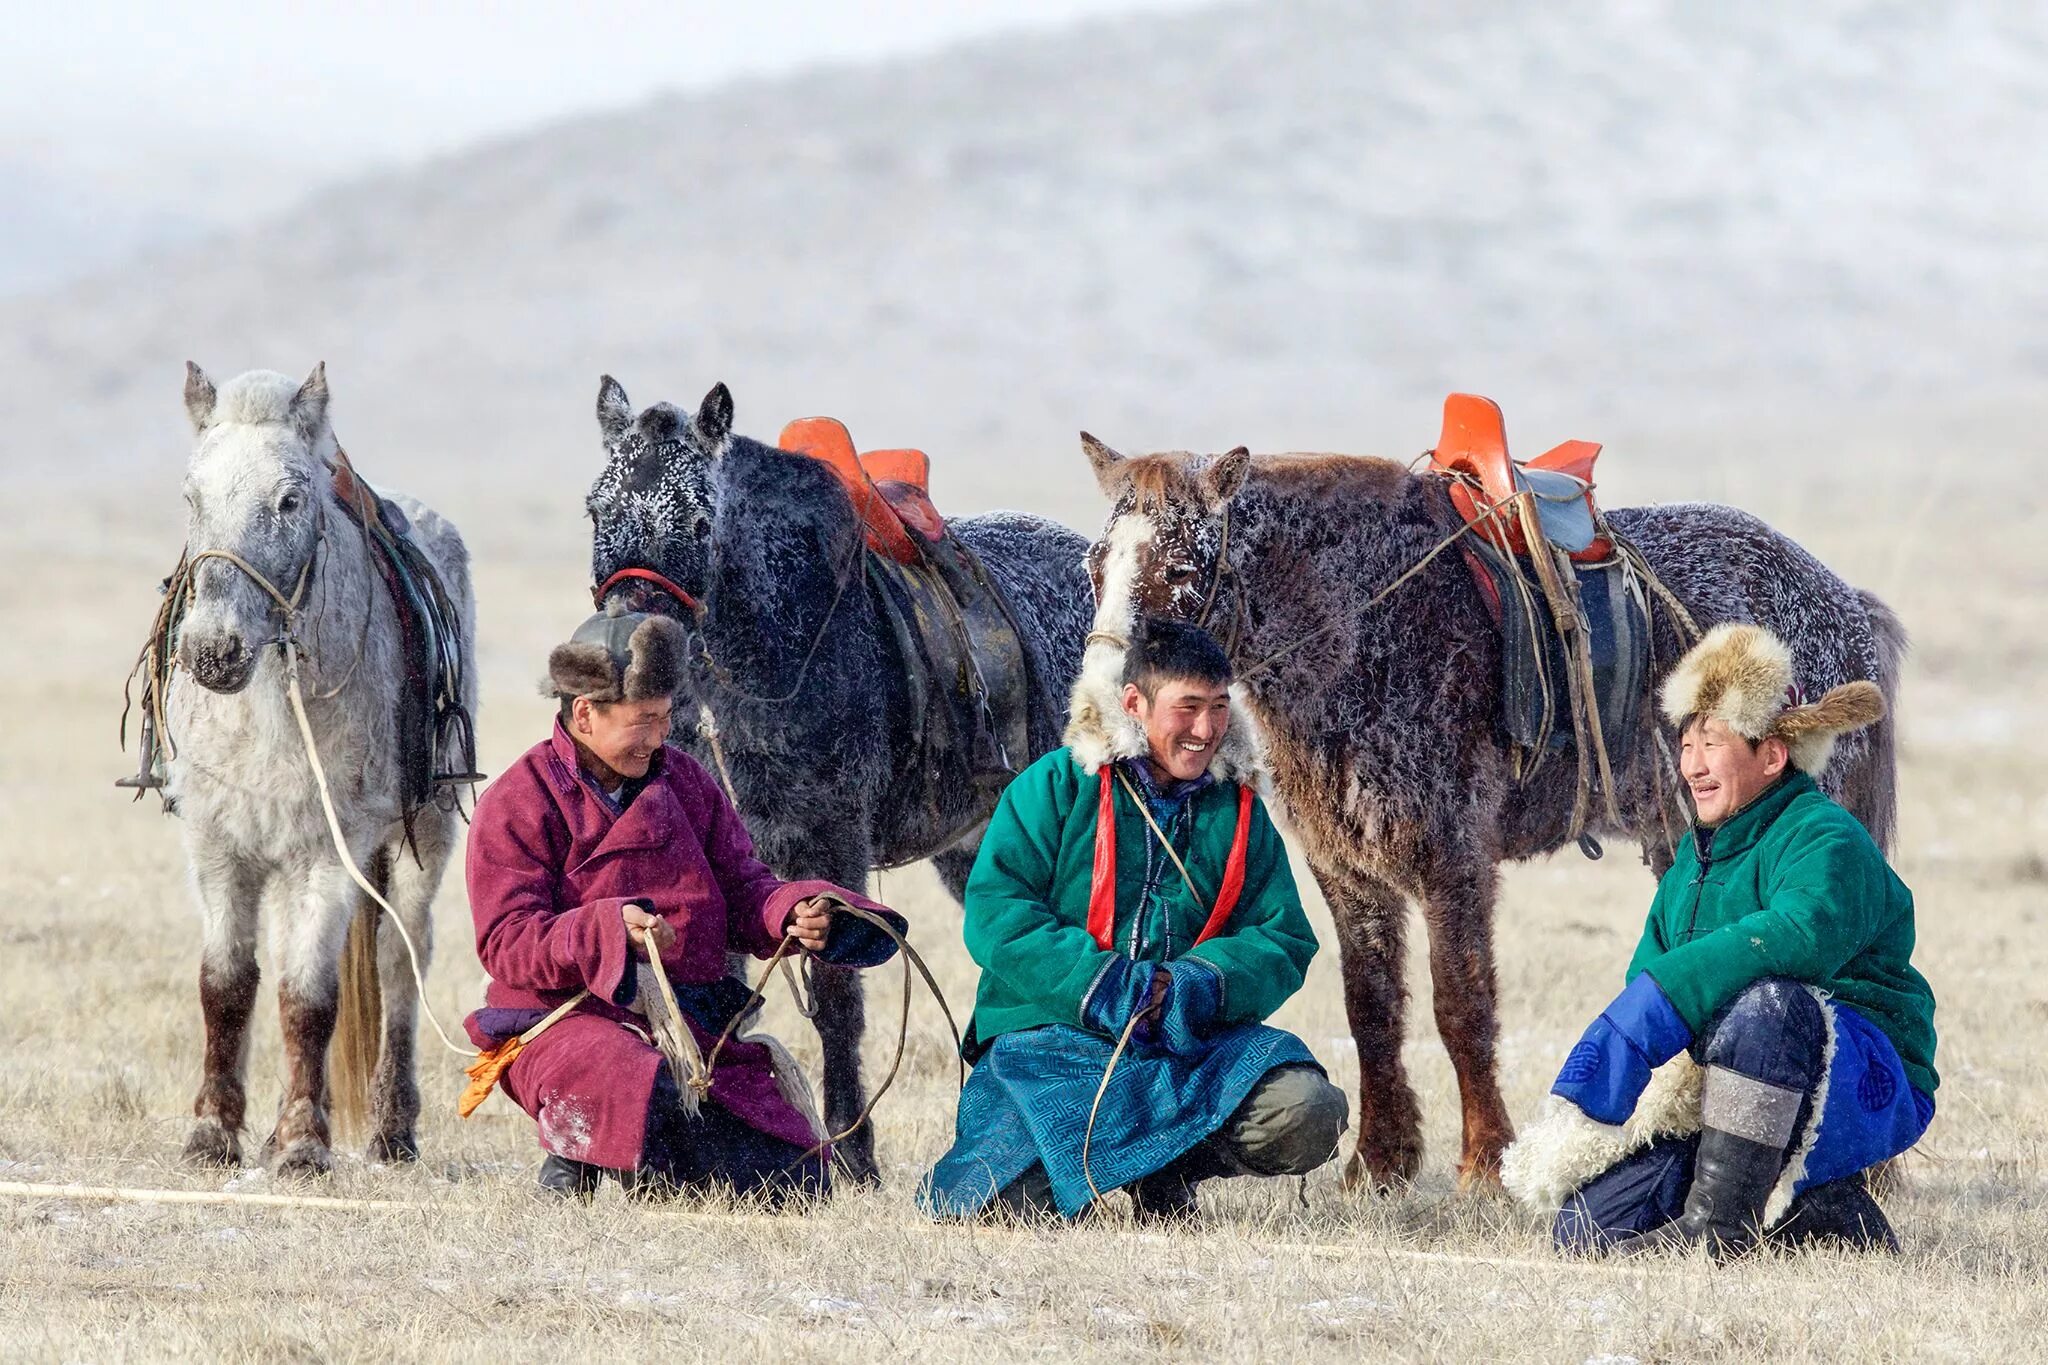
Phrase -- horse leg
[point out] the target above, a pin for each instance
(956, 863)
(1371, 921)
(306, 1003)
(229, 893)
(395, 1091)
(1458, 903)
(841, 1019)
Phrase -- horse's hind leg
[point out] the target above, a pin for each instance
(1371, 923)
(229, 893)
(842, 1018)
(314, 931)
(1458, 903)
(395, 1091)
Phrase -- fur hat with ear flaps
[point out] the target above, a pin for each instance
(1741, 675)
(630, 656)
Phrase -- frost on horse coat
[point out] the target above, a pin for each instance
(550, 866)
(796, 669)
(1381, 718)
(259, 486)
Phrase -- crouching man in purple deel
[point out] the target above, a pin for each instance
(605, 843)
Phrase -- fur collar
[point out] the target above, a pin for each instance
(1098, 728)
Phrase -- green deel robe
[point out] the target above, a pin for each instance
(1027, 903)
(1792, 885)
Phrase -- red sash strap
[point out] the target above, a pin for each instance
(1102, 884)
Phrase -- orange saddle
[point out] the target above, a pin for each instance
(890, 489)
(1474, 444)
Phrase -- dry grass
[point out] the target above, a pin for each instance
(99, 1055)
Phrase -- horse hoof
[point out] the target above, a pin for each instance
(304, 1159)
(1379, 1173)
(858, 1169)
(212, 1145)
(393, 1148)
(1480, 1179)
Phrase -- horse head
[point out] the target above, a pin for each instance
(256, 489)
(651, 507)
(1167, 547)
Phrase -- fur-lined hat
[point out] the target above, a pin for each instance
(630, 656)
(1741, 674)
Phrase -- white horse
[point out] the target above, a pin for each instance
(260, 487)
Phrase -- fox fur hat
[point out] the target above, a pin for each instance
(1741, 674)
(627, 656)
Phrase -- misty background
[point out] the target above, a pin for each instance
(1706, 235)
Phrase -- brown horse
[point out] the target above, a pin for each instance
(1381, 718)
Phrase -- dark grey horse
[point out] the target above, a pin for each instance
(1380, 719)
(795, 668)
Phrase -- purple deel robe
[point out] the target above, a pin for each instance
(551, 863)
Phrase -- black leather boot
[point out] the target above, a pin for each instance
(1842, 1213)
(1732, 1180)
(569, 1179)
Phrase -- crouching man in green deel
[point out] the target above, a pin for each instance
(1778, 956)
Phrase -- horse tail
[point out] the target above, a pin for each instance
(358, 1022)
(1870, 788)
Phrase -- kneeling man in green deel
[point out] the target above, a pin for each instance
(1133, 914)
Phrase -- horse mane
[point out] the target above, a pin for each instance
(1153, 480)
(255, 397)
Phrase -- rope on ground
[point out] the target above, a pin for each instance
(121, 1194)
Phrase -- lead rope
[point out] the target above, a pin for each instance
(1124, 1039)
(348, 862)
(290, 644)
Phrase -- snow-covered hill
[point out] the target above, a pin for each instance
(1293, 224)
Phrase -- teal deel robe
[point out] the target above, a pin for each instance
(1026, 921)
(1791, 885)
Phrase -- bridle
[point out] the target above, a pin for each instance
(1222, 571)
(667, 585)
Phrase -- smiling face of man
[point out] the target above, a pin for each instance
(622, 736)
(1724, 771)
(1184, 720)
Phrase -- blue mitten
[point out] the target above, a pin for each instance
(1194, 998)
(853, 942)
(1605, 1072)
(1121, 990)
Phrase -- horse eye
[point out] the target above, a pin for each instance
(701, 528)
(288, 504)
(1180, 573)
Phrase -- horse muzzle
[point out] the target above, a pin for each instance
(221, 663)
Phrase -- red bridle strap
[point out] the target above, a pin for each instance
(602, 590)
(1102, 882)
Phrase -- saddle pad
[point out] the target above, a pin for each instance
(1535, 714)
(1562, 507)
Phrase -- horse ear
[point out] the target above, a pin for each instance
(1103, 459)
(714, 417)
(309, 404)
(199, 397)
(1223, 476)
(614, 409)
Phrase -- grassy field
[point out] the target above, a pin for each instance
(99, 1055)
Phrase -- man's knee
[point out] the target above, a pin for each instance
(1774, 1031)
(1290, 1123)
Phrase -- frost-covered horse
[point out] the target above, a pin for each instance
(260, 487)
(1380, 719)
(797, 669)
